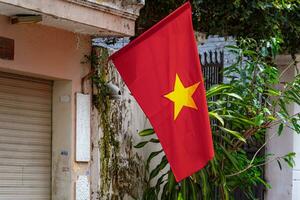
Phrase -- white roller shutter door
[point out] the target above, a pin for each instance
(25, 138)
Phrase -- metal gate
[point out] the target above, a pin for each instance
(212, 66)
(25, 138)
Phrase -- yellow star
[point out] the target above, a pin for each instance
(182, 96)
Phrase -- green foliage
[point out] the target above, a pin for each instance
(258, 19)
(243, 111)
(153, 12)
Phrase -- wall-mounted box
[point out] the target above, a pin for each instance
(7, 47)
(83, 127)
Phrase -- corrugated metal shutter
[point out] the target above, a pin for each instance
(25, 138)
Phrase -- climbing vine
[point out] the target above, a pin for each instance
(121, 169)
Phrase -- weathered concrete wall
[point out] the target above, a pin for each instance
(115, 132)
(105, 17)
(128, 6)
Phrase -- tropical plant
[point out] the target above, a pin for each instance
(258, 19)
(242, 110)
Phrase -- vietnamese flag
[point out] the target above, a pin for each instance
(162, 70)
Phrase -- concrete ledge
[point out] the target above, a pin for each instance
(81, 16)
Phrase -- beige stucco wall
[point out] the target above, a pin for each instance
(45, 51)
(54, 54)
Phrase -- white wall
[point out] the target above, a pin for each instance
(286, 182)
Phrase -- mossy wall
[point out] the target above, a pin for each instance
(117, 122)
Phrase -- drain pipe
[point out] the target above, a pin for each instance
(85, 79)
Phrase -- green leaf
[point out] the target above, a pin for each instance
(267, 111)
(234, 133)
(153, 140)
(150, 194)
(289, 162)
(282, 105)
(264, 182)
(165, 191)
(151, 156)
(171, 182)
(246, 121)
(180, 196)
(141, 144)
(234, 95)
(280, 129)
(217, 116)
(194, 190)
(225, 191)
(282, 116)
(204, 184)
(146, 132)
(289, 159)
(232, 47)
(215, 90)
(291, 154)
(273, 92)
(250, 53)
(279, 164)
(159, 182)
(238, 119)
(296, 125)
(163, 163)
(259, 119)
(213, 164)
(184, 189)
(232, 159)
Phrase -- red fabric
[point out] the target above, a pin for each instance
(149, 65)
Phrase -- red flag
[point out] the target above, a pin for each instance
(162, 70)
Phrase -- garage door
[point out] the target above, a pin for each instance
(25, 138)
